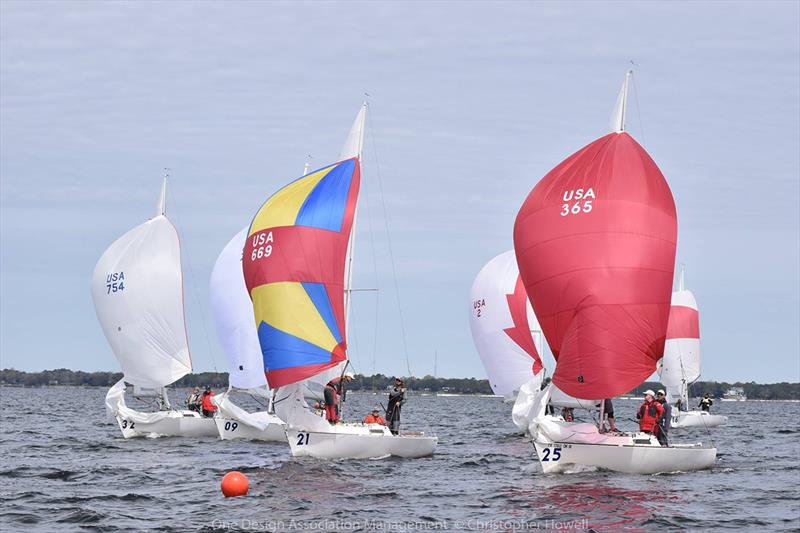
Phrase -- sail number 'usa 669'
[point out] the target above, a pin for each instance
(262, 245)
(577, 201)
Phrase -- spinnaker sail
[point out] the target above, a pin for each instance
(500, 327)
(595, 242)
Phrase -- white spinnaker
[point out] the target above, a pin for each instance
(143, 318)
(507, 365)
(233, 317)
(680, 365)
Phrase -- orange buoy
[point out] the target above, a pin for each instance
(234, 484)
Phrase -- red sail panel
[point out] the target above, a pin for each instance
(595, 243)
(684, 323)
(521, 332)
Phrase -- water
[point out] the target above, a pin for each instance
(66, 466)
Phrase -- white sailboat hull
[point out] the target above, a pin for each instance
(230, 429)
(630, 459)
(359, 441)
(172, 424)
(691, 419)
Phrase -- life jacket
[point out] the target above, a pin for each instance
(207, 405)
(648, 415)
(371, 419)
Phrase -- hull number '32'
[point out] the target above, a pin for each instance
(262, 245)
(577, 201)
(302, 439)
(549, 454)
(115, 282)
(127, 424)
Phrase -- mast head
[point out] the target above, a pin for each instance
(162, 201)
(354, 144)
(618, 116)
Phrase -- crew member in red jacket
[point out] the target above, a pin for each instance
(208, 407)
(335, 393)
(649, 413)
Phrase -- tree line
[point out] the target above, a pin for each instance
(380, 382)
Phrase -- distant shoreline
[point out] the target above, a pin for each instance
(419, 385)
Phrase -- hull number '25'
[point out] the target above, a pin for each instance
(554, 456)
(302, 439)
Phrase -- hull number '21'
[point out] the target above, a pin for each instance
(302, 439)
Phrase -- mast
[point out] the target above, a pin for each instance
(621, 109)
(162, 201)
(681, 286)
(353, 147)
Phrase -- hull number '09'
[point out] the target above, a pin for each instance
(302, 439)
(577, 201)
(262, 246)
(548, 456)
(231, 426)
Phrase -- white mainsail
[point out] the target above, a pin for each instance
(508, 364)
(137, 290)
(233, 317)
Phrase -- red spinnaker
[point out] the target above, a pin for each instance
(595, 243)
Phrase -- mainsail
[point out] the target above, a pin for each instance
(294, 268)
(680, 365)
(595, 242)
(137, 290)
(500, 327)
(233, 317)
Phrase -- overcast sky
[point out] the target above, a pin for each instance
(471, 104)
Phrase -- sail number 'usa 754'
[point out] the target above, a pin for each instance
(115, 282)
(577, 201)
(262, 245)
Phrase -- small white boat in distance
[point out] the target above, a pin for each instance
(595, 242)
(137, 290)
(734, 394)
(297, 265)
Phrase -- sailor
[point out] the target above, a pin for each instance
(550, 409)
(397, 397)
(649, 413)
(335, 389)
(208, 406)
(705, 403)
(374, 417)
(665, 421)
(193, 400)
(566, 414)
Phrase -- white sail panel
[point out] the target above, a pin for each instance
(508, 365)
(137, 289)
(233, 317)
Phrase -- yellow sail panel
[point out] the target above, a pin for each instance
(286, 306)
(282, 207)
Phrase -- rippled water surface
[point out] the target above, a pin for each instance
(65, 466)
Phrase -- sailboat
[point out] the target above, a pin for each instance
(137, 290)
(298, 269)
(680, 365)
(233, 316)
(595, 243)
(506, 334)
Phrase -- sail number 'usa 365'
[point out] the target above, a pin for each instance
(115, 282)
(577, 201)
(262, 245)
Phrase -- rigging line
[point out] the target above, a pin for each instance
(193, 279)
(638, 111)
(375, 273)
(389, 241)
